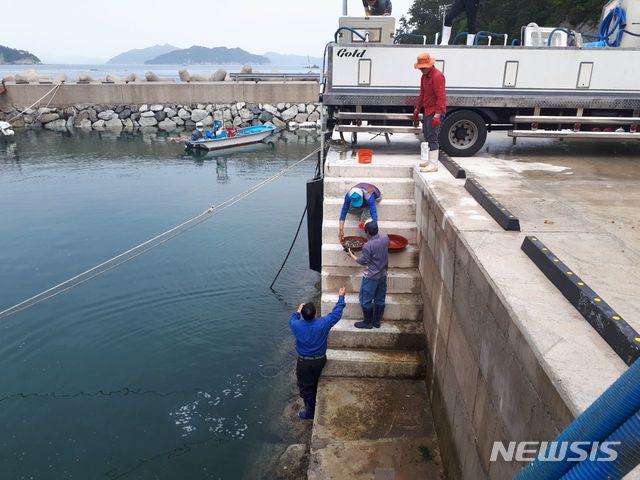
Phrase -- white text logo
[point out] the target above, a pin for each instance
(555, 451)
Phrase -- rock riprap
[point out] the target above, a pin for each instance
(167, 117)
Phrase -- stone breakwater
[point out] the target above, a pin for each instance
(164, 117)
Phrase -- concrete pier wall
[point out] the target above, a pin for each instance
(480, 390)
(501, 366)
(159, 92)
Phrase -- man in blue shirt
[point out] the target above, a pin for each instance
(311, 344)
(373, 290)
(360, 200)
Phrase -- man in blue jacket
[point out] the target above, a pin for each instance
(311, 344)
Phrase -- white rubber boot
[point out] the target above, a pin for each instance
(446, 35)
(470, 38)
(432, 165)
(424, 154)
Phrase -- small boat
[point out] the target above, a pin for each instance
(309, 64)
(227, 138)
(6, 130)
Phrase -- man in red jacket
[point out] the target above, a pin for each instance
(433, 102)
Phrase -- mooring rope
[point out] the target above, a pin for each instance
(144, 247)
(126, 391)
(56, 87)
(304, 213)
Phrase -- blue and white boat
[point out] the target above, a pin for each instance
(220, 138)
(6, 130)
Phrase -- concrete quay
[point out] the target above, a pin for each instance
(70, 94)
(503, 354)
(373, 429)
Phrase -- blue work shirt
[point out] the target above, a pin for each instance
(375, 257)
(311, 335)
(371, 195)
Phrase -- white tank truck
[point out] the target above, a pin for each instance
(556, 84)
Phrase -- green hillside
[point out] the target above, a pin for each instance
(11, 56)
(197, 55)
(141, 55)
(505, 16)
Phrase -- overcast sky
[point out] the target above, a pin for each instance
(79, 31)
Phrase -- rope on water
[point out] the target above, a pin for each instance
(54, 89)
(126, 391)
(145, 246)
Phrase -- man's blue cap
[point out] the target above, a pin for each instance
(356, 197)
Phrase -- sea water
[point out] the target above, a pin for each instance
(99, 71)
(163, 367)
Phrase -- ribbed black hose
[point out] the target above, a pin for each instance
(290, 248)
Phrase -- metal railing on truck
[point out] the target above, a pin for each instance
(574, 127)
(261, 77)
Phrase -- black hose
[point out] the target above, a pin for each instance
(457, 38)
(349, 29)
(408, 35)
(564, 30)
(485, 34)
(290, 248)
(324, 63)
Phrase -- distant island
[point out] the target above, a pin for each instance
(286, 60)
(171, 55)
(11, 56)
(197, 55)
(138, 56)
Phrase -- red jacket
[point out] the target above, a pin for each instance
(433, 97)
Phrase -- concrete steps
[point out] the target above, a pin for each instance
(374, 363)
(352, 169)
(395, 208)
(400, 335)
(399, 280)
(372, 415)
(333, 255)
(390, 188)
(398, 306)
(373, 429)
(330, 228)
(395, 349)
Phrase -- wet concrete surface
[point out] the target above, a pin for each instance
(600, 180)
(372, 428)
(582, 198)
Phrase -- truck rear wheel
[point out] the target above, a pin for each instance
(463, 133)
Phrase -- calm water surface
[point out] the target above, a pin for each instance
(100, 71)
(163, 367)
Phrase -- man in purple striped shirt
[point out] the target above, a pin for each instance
(373, 290)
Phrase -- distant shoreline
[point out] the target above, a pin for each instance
(170, 71)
